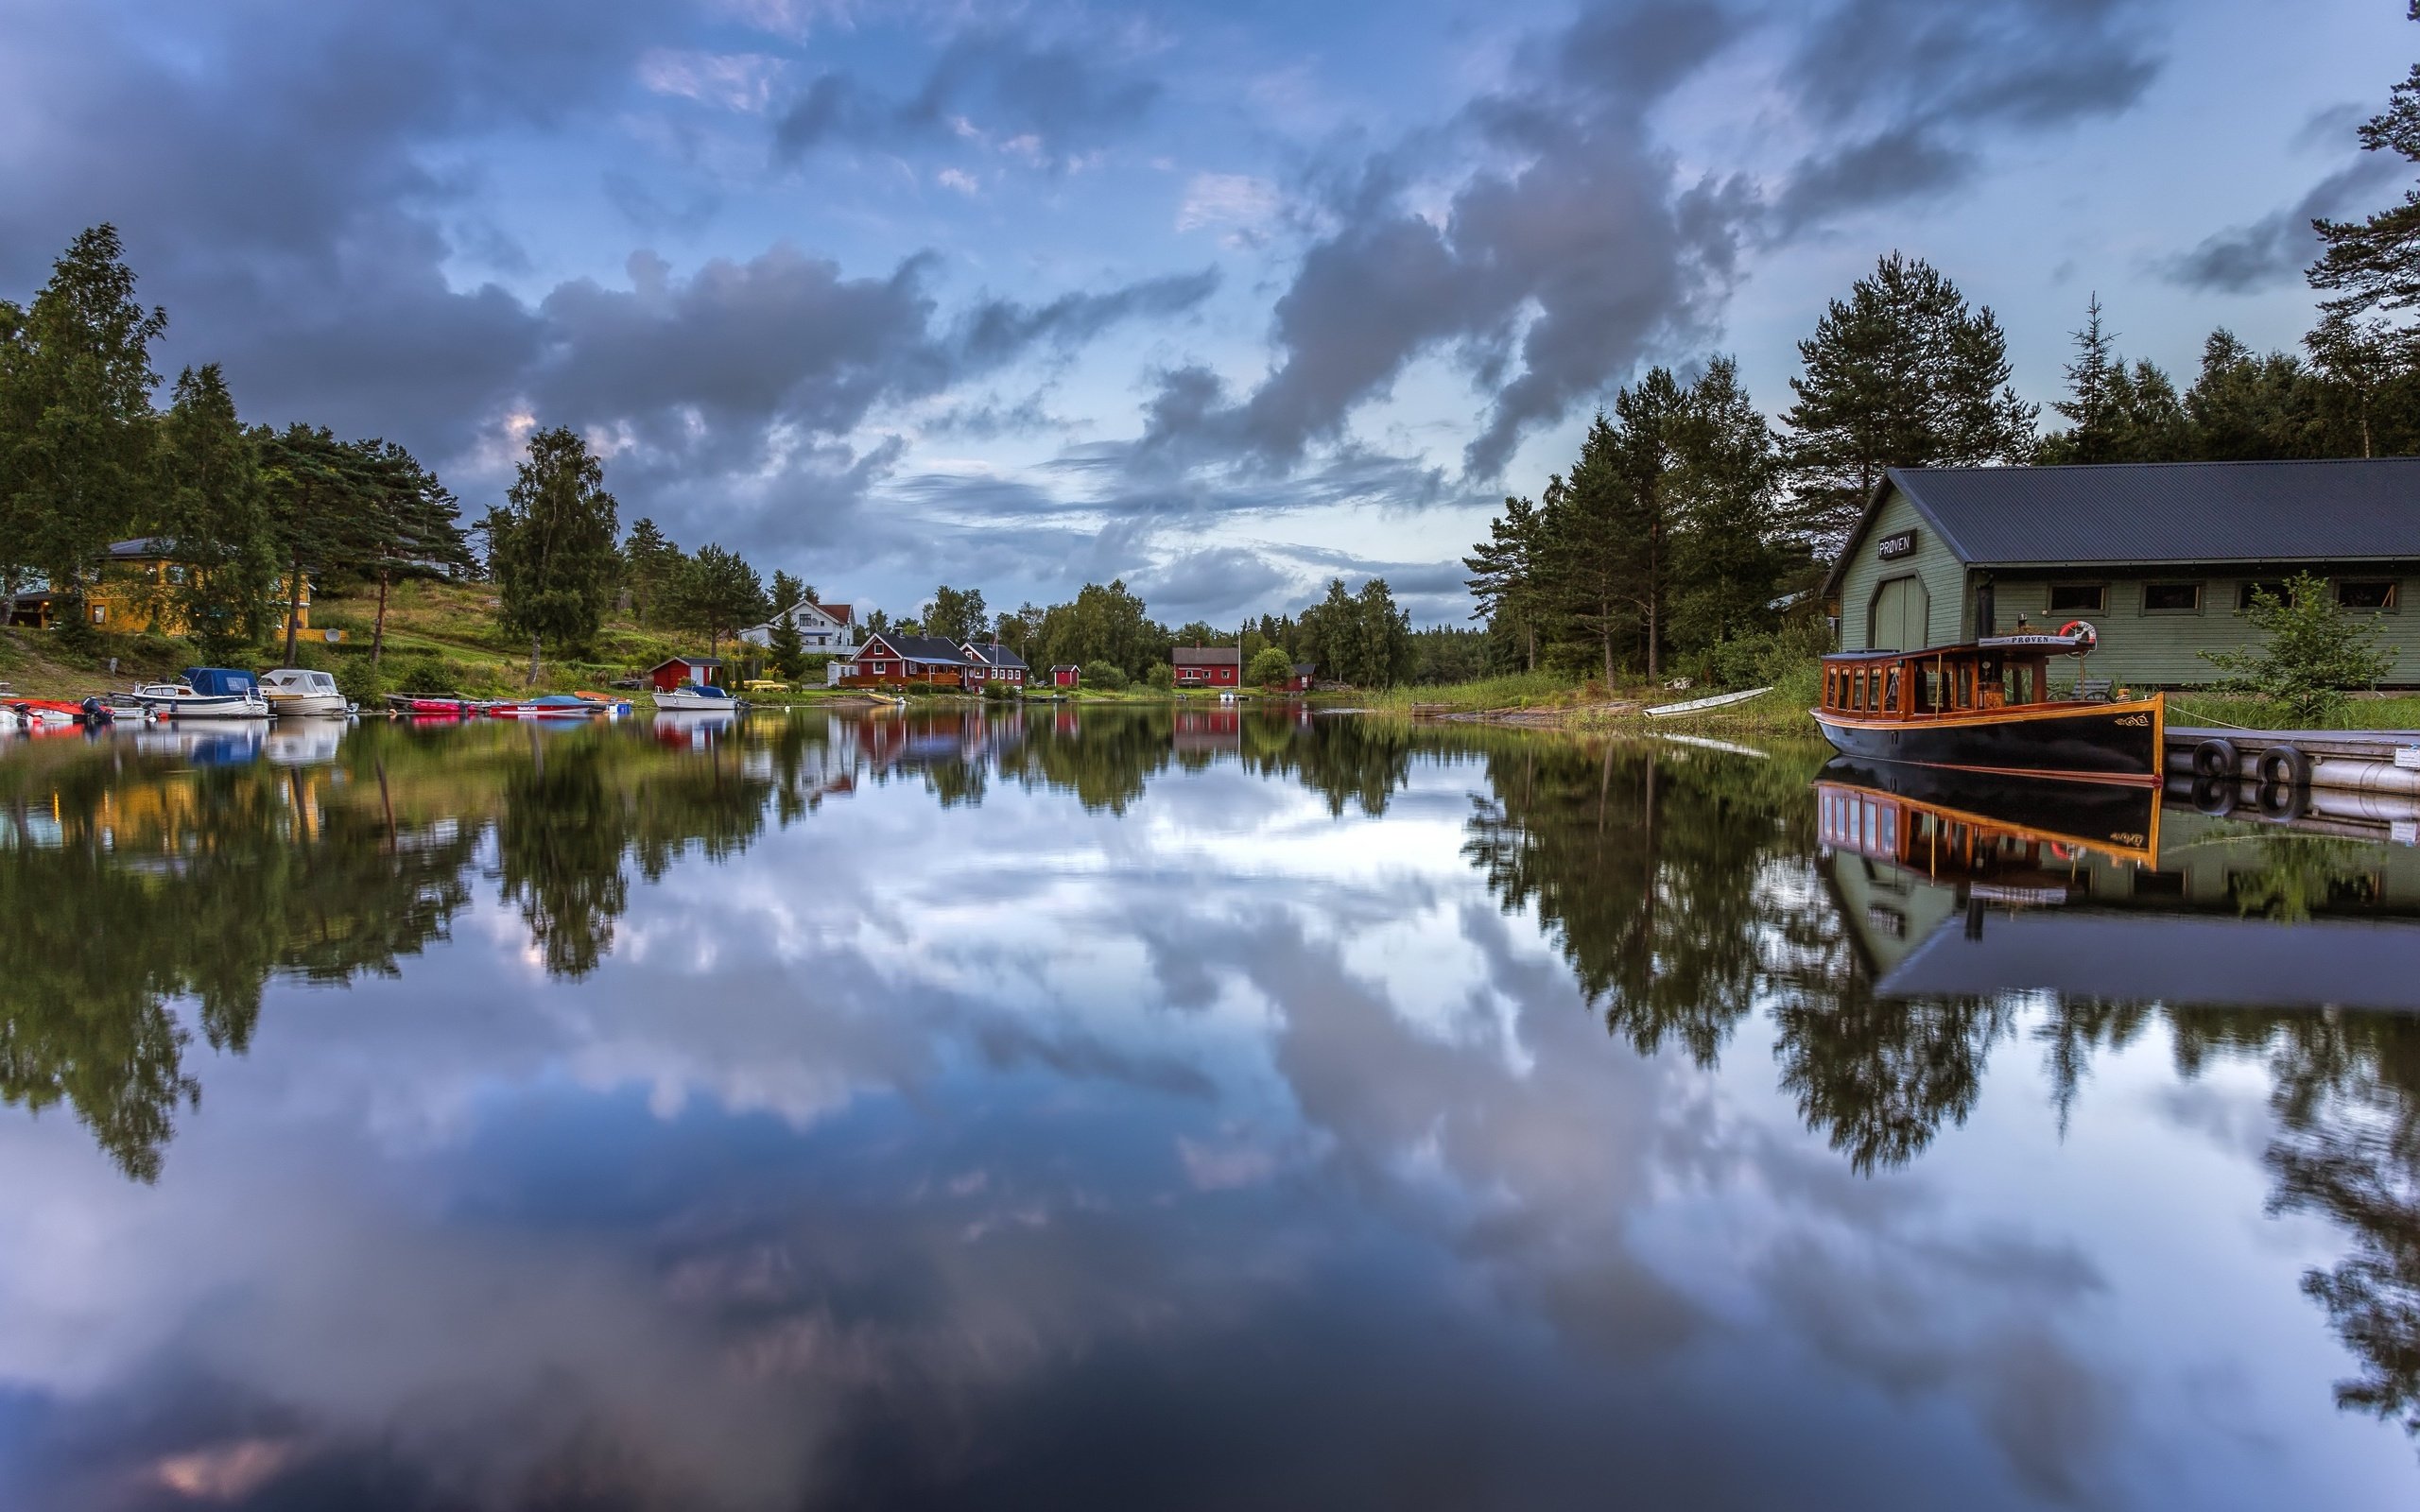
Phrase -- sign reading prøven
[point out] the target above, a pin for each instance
(1889, 549)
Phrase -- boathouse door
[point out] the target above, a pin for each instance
(1901, 609)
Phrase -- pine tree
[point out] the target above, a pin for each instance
(787, 593)
(1504, 583)
(1587, 557)
(2246, 406)
(786, 648)
(418, 527)
(651, 566)
(2090, 405)
(2374, 263)
(214, 515)
(76, 419)
(1727, 554)
(550, 544)
(1899, 374)
(721, 593)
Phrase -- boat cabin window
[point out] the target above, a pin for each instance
(1891, 689)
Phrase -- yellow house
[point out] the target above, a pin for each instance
(135, 592)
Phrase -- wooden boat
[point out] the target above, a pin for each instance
(1719, 701)
(1958, 825)
(296, 691)
(1986, 706)
(431, 708)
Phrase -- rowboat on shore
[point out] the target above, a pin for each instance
(1985, 706)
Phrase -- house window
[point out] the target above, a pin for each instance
(100, 614)
(2079, 598)
(2171, 598)
(2245, 591)
(2372, 594)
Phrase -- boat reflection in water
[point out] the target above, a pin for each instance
(1961, 883)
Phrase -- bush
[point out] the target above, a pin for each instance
(360, 681)
(426, 678)
(1271, 668)
(1105, 676)
(2315, 653)
(1162, 677)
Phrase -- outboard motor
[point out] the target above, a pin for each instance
(98, 712)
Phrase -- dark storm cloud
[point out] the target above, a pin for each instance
(2275, 248)
(1584, 253)
(998, 330)
(1051, 98)
(1586, 241)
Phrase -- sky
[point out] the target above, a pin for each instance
(1222, 300)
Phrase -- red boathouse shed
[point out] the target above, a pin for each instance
(700, 670)
(1209, 666)
(1299, 681)
(1066, 675)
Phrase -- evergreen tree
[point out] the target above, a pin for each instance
(1382, 636)
(787, 593)
(214, 515)
(2091, 405)
(550, 544)
(1588, 554)
(1728, 553)
(324, 499)
(418, 528)
(721, 593)
(786, 648)
(652, 568)
(1504, 586)
(1899, 374)
(76, 419)
(2248, 407)
(2374, 263)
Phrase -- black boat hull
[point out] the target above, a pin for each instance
(2110, 816)
(2106, 742)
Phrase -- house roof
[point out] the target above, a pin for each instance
(1065, 666)
(1303, 669)
(923, 648)
(2360, 510)
(1209, 656)
(837, 613)
(995, 654)
(686, 662)
(138, 548)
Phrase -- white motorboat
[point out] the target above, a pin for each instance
(204, 693)
(694, 697)
(292, 691)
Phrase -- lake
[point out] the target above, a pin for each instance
(1210, 1109)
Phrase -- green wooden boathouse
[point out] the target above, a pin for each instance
(2161, 558)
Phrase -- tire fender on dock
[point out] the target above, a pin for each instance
(2216, 757)
(2282, 764)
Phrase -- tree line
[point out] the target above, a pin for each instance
(87, 459)
(1689, 531)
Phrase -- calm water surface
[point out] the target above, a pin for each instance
(1198, 1111)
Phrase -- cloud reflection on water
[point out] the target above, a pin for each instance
(1238, 1133)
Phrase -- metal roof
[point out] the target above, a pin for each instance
(1208, 656)
(995, 654)
(923, 648)
(2151, 513)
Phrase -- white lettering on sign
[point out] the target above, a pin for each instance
(1890, 548)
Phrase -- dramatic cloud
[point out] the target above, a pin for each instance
(1046, 102)
(2275, 248)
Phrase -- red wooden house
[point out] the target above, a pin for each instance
(1209, 666)
(1299, 681)
(1066, 675)
(990, 661)
(889, 659)
(700, 670)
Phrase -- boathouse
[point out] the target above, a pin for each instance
(699, 670)
(2162, 559)
(1066, 675)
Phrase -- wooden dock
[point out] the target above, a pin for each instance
(2362, 760)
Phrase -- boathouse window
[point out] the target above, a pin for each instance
(2245, 592)
(2079, 598)
(2171, 598)
(2354, 593)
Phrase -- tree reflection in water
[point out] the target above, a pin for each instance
(146, 893)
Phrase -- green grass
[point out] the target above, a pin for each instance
(2360, 712)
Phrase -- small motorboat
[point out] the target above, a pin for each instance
(37, 714)
(296, 691)
(549, 706)
(694, 698)
(205, 692)
(1985, 706)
